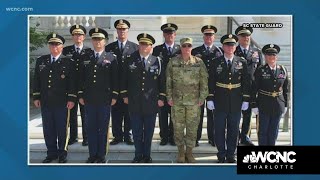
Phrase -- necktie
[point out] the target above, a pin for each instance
(229, 64)
(169, 51)
(121, 47)
(208, 50)
(78, 50)
(97, 56)
(53, 60)
(245, 52)
(273, 72)
(144, 62)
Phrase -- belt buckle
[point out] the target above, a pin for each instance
(229, 86)
(274, 94)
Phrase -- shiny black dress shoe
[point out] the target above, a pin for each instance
(62, 159)
(91, 159)
(231, 160)
(101, 160)
(85, 142)
(49, 159)
(129, 141)
(163, 142)
(247, 143)
(115, 141)
(172, 143)
(137, 159)
(212, 143)
(146, 160)
(72, 141)
(221, 160)
(197, 143)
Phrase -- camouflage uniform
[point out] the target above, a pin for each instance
(187, 85)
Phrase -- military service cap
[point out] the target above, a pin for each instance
(169, 27)
(229, 39)
(271, 49)
(244, 30)
(98, 33)
(55, 38)
(146, 38)
(122, 23)
(186, 41)
(209, 29)
(77, 29)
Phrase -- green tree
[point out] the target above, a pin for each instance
(37, 40)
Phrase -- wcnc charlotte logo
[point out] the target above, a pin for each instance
(277, 159)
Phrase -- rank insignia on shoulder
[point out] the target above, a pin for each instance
(198, 55)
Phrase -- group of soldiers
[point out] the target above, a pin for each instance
(136, 82)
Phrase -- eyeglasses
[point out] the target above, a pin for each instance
(186, 45)
(121, 29)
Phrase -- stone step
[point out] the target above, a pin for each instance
(38, 145)
(126, 158)
(37, 122)
(123, 154)
(37, 133)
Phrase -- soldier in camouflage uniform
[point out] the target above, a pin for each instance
(187, 88)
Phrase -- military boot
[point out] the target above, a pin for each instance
(181, 155)
(189, 156)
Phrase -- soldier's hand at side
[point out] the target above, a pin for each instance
(285, 111)
(125, 100)
(37, 103)
(113, 102)
(81, 101)
(210, 105)
(170, 102)
(160, 103)
(70, 105)
(200, 103)
(244, 106)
